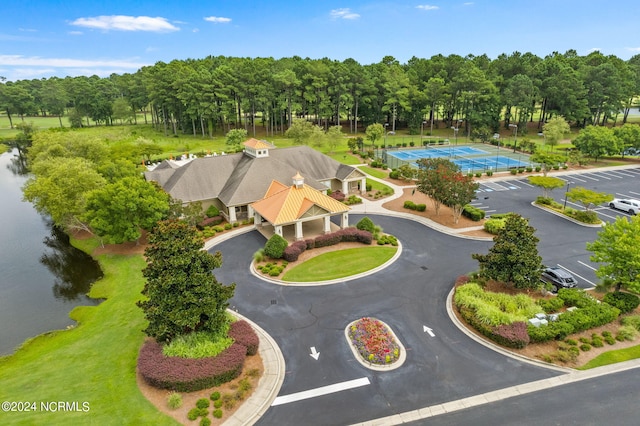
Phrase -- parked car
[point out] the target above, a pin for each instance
(628, 205)
(558, 278)
(631, 151)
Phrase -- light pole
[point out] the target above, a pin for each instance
(422, 130)
(515, 139)
(385, 134)
(455, 133)
(565, 196)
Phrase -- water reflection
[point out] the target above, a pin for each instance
(18, 164)
(74, 270)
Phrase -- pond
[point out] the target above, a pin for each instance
(42, 277)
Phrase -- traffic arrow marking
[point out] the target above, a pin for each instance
(314, 354)
(426, 329)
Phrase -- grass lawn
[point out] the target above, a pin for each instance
(351, 261)
(376, 173)
(94, 362)
(613, 357)
(378, 186)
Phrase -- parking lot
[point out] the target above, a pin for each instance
(562, 242)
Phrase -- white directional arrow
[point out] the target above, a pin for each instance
(428, 330)
(315, 355)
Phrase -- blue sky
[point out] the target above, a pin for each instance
(45, 38)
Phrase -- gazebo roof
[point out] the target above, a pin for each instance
(287, 204)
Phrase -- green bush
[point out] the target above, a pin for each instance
(212, 211)
(575, 297)
(202, 403)
(174, 401)
(631, 320)
(513, 171)
(585, 347)
(571, 342)
(556, 330)
(489, 172)
(409, 205)
(596, 341)
(421, 207)
(538, 168)
(215, 396)
(217, 403)
(626, 302)
(227, 226)
(258, 256)
(394, 174)
(194, 413)
(473, 213)
(551, 305)
(274, 248)
(205, 421)
(217, 414)
(479, 174)
(584, 216)
(366, 224)
(494, 225)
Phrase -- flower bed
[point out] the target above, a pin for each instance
(374, 341)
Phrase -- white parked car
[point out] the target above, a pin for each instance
(628, 205)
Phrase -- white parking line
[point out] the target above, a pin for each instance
(573, 273)
(589, 177)
(622, 172)
(588, 266)
(611, 173)
(606, 215)
(525, 183)
(601, 173)
(576, 178)
(634, 193)
(324, 390)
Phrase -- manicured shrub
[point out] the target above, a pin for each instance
(338, 195)
(217, 413)
(212, 211)
(174, 401)
(202, 403)
(368, 187)
(489, 172)
(193, 414)
(513, 171)
(626, 302)
(215, 396)
(585, 347)
(596, 341)
(366, 224)
(310, 243)
(473, 213)
(512, 335)
(494, 225)
(274, 248)
(394, 174)
(292, 252)
(551, 305)
(353, 199)
(556, 330)
(218, 228)
(243, 334)
(479, 174)
(209, 221)
(421, 207)
(575, 297)
(227, 226)
(409, 205)
(217, 403)
(189, 374)
(571, 342)
(538, 168)
(205, 421)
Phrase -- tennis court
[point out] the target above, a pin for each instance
(468, 158)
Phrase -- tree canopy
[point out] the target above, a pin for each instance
(617, 250)
(514, 256)
(182, 295)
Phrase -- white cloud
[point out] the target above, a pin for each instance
(427, 7)
(217, 19)
(36, 61)
(594, 49)
(343, 13)
(126, 23)
(633, 49)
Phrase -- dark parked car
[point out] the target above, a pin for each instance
(558, 278)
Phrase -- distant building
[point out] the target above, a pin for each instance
(233, 182)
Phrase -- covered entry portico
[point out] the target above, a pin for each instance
(293, 211)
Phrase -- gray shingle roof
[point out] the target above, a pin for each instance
(239, 179)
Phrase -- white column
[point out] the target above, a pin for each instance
(345, 187)
(257, 218)
(232, 214)
(327, 224)
(278, 230)
(363, 185)
(298, 230)
(345, 220)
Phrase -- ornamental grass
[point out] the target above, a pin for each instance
(374, 341)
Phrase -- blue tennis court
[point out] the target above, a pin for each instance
(467, 158)
(416, 154)
(488, 163)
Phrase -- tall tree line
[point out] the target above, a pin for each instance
(213, 95)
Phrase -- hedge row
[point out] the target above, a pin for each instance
(293, 251)
(192, 374)
(626, 302)
(512, 335)
(243, 334)
(473, 213)
(189, 374)
(210, 221)
(413, 206)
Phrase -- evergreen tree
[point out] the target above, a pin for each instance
(183, 295)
